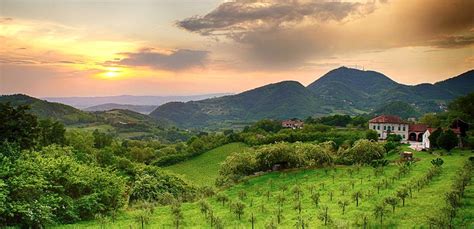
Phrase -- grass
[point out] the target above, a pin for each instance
(203, 169)
(413, 214)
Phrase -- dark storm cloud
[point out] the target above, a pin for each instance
(180, 59)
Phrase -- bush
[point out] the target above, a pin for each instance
(152, 182)
(371, 135)
(447, 140)
(51, 186)
(364, 151)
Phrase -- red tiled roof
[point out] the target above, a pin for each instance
(387, 119)
(417, 128)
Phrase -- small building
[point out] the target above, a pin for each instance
(426, 138)
(416, 131)
(292, 123)
(458, 126)
(389, 124)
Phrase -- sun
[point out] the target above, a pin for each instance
(111, 73)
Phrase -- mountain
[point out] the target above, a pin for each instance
(398, 108)
(44, 109)
(342, 90)
(277, 101)
(459, 85)
(84, 102)
(143, 109)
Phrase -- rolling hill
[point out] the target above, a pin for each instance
(342, 90)
(44, 109)
(277, 101)
(144, 109)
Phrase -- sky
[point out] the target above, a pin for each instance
(182, 47)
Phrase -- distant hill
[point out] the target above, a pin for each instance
(342, 90)
(143, 109)
(277, 101)
(127, 120)
(45, 109)
(84, 102)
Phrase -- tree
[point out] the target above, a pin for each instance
(281, 198)
(364, 151)
(143, 217)
(378, 185)
(343, 189)
(222, 197)
(379, 212)
(17, 125)
(430, 120)
(324, 215)
(394, 138)
(434, 138)
(447, 140)
(238, 208)
(297, 205)
(177, 214)
(392, 201)
(315, 197)
(356, 196)
(51, 132)
(101, 140)
(402, 194)
(252, 220)
(371, 135)
(343, 204)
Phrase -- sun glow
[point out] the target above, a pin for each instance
(112, 73)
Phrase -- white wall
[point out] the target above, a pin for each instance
(394, 128)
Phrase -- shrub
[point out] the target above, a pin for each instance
(364, 151)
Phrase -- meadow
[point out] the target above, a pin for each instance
(289, 197)
(203, 169)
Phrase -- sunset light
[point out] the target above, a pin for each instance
(236, 114)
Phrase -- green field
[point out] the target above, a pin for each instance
(203, 169)
(413, 215)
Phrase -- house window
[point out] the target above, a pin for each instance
(379, 135)
(384, 127)
(388, 128)
(403, 136)
(403, 128)
(398, 128)
(374, 127)
(378, 127)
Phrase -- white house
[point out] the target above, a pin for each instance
(388, 124)
(425, 143)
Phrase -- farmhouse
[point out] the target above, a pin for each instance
(458, 126)
(292, 123)
(417, 134)
(389, 124)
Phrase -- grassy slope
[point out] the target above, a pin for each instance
(412, 215)
(203, 169)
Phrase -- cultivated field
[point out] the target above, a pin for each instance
(287, 195)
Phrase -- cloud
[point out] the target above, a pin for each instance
(175, 60)
(236, 19)
(285, 34)
(454, 41)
